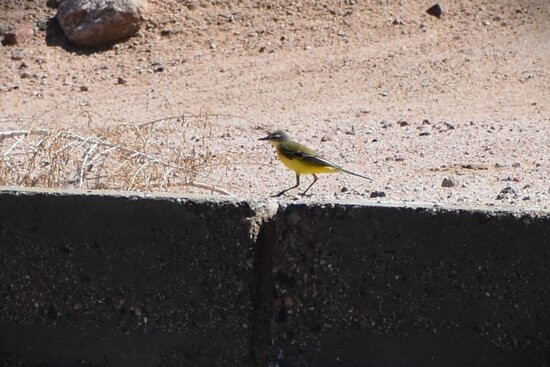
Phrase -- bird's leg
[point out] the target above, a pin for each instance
(290, 188)
(315, 178)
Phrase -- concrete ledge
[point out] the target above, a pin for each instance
(383, 286)
(122, 280)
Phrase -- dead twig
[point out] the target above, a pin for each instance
(155, 155)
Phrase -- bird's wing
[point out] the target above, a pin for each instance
(298, 151)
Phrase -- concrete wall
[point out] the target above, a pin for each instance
(124, 281)
(110, 280)
(388, 286)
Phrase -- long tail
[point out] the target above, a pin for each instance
(355, 174)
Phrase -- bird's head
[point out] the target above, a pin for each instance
(276, 138)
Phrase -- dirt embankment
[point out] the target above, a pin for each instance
(404, 97)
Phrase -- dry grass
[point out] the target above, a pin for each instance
(167, 154)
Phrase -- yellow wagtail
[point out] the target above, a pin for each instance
(302, 160)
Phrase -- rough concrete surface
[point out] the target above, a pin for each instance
(389, 286)
(122, 281)
(116, 280)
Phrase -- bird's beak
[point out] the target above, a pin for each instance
(266, 138)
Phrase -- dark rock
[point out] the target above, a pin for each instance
(449, 125)
(447, 182)
(42, 25)
(377, 194)
(166, 32)
(506, 192)
(54, 4)
(435, 10)
(350, 131)
(158, 67)
(397, 21)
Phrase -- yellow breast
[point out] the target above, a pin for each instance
(304, 167)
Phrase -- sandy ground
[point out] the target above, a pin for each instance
(403, 97)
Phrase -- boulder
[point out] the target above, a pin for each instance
(95, 23)
(53, 3)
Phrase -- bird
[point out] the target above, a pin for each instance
(302, 160)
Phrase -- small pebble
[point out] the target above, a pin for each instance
(18, 35)
(327, 137)
(18, 55)
(42, 25)
(157, 67)
(166, 32)
(447, 182)
(508, 190)
(435, 10)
